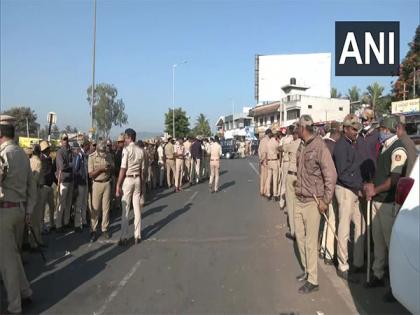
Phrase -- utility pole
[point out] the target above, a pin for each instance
(93, 65)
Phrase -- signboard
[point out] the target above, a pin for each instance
(52, 118)
(407, 106)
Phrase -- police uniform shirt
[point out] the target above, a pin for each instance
(133, 160)
(18, 184)
(97, 161)
(290, 150)
(272, 149)
(398, 157)
(180, 151)
(169, 151)
(215, 151)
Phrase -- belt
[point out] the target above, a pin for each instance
(9, 204)
(291, 173)
(272, 159)
(170, 158)
(101, 181)
(132, 176)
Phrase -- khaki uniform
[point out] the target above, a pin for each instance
(145, 176)
(101, 188)
(284, 167)
(273, 168)
(262, 153)
(289, 151)
(161, 164)
(170, 163)
(36, 216)
(384, 209)
(179, 164)
(215, 154)
(188, 161)
(18, 188)
(206, 160)
(133, 162)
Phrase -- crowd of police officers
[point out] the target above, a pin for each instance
(329, 179)
(78, 189)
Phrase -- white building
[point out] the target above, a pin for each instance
(236, 125)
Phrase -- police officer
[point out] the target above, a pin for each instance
(129, 185)
(391, 166)
(262, 154)
(315, 185)
(36, 216)
(100, 168)
(47, 192)
(169, 161)
(16, 206)
(215, 154)
(272, 152)
(180, 153)
(408, 143)
(64, 161)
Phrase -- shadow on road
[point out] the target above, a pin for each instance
(227, 185)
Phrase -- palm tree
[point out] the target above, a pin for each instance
(202, 126)
(353, 94)
(335, 93)
(374, 91)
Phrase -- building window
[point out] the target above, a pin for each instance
(293, 114)
(340, 108)
(309, 106)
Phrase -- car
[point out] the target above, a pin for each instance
(228, 148)
(404, 263)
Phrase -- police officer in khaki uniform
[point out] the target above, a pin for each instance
(100, 169)
(391, 166)
(262, 154)
(130, 184)
(16, 205)
(36, 216)
(272, 181)
(170, 161)
(180, 153)
(215, 154)
(315, 185)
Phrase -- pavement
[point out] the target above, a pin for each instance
(202, 253)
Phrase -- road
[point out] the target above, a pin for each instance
(203, 253)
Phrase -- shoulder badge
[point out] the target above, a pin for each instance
(398, 157)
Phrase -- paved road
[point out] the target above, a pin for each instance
(203, 253)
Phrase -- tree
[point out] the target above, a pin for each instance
(383, 105)
(182, 125)
(202, 126)
(108, 110)
(25, 116)
(353, 94)
(408, 69)
(374, 92)
(70, 129)
(335, 93)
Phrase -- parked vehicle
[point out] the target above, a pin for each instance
(404, 262)
(229, 150)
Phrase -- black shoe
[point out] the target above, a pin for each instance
(137, 241)
(78, 230)
(308, 288)
(26, 301)
(92, 237)
(302, 277)
(345, 275)
(329, 262)
(374, 283)
(290, 236)
(107, 235)
(123, 242)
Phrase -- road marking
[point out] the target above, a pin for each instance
(120, 286)
(191, 199)
(254, 168)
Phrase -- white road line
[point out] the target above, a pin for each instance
(254, 168)
(191, 199)
(120, 286)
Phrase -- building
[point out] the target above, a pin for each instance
(236, 125)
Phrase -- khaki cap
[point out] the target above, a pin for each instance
(352, 120)
(44, 145)
(305, 120)
(7, 120)
(63, 136)
(368, 114)
(120, 138)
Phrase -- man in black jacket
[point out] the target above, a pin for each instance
(348, 190)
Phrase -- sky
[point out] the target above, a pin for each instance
(46, 51)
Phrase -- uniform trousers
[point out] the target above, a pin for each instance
(196, 167)
(272, 177)
(283, 168)
(349, 211)
(328, 238)
(100, 203)
(65, 203)
(170, 169)
(263, 177)
(36, 218)
(179, 165)
(81, 205)
(188, 169)
(131, 195)
(214, 174)
(12, 272)
(383, 217)
(161, 168)
(307, 218)
(47, 194)
(290, 201)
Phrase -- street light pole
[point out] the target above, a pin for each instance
(173, 96)
(93, 64)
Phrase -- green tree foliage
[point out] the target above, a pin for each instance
(406, 75)
(335, 93)
(353, 94)
(202, 126)
(374, 92)
(24, 115)
(108, 110)
(182, 125)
